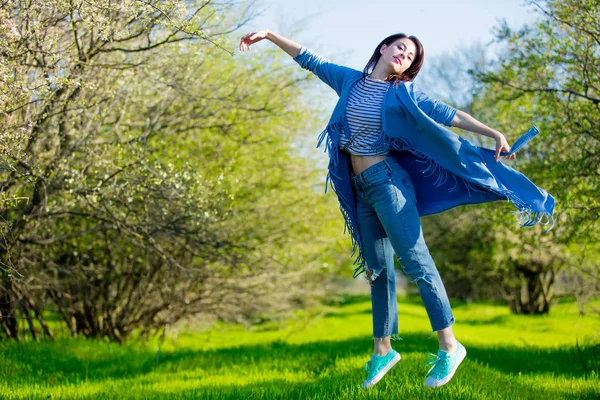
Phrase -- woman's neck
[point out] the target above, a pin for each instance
(380, 72)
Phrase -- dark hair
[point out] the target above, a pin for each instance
(411, 72)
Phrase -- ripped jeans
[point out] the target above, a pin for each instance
(389, 223)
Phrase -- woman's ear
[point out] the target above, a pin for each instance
(382, 49)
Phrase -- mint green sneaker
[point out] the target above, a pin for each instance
(444, 366)
(379, 366)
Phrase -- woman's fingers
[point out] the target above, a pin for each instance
(243, 43)
(511, 157)
(502, 148)
(251, 38)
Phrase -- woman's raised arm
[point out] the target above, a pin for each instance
(330, 73)
(287, 45)
(465, 121)
(443, 113)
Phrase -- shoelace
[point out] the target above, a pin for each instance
(369, 366)
(437, 362)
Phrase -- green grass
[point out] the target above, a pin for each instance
(320, 355)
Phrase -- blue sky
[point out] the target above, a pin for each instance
(347, 31)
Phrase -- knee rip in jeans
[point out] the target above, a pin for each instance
(371, 275)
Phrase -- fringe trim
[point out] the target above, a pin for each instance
(527, 217)
(331, 180)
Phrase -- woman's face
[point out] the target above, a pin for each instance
(398, 55)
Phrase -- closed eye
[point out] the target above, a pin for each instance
(403, 48)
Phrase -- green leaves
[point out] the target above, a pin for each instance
(147, 175)
(549, 76)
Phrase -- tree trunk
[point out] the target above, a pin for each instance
(534, 294)
(8, 309)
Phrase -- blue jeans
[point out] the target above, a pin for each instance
(389, 223)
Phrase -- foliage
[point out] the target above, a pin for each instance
(448, 76)
(147, 175)
(549, 76)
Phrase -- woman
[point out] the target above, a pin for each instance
(381, 132)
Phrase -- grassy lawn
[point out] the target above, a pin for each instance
(320, 355)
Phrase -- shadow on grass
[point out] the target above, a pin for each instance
(395, 385)
(59, 358)
(325, 373)
(318, 363)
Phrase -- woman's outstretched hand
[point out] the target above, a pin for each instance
(502, 146)
(252, 38)
(464, 121)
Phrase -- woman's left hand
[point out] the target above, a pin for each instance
(502, 146)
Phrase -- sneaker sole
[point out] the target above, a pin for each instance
(381, 373)
(451, 374)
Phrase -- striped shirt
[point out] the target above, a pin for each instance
(363, 113)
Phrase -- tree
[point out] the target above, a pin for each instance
(141, 182)
(449, 76)
(548, 76)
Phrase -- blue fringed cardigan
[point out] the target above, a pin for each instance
(446, 170)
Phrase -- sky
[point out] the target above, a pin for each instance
(347, 31)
